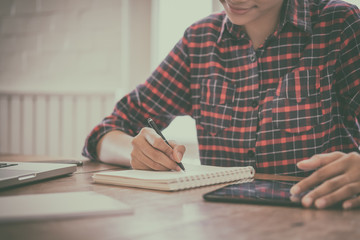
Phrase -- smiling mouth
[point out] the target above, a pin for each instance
(239, 10)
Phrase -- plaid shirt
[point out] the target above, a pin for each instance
(297, 95)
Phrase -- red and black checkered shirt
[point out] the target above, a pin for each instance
(297, 95)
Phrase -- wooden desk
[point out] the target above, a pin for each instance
(178, 215)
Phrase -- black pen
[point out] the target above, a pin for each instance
(154, 126)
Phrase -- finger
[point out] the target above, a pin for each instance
(161, 158)
(341, 194)
(136, 164)
(141, 161)
(327, 193)
(178, 152)
(319, 160)
(330, 170)
(142, 153)
(351, 203)
(150, 155)
(172, 143)
(157, 142)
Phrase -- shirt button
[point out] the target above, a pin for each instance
(255, 104)
(251, 154)
(253, 58)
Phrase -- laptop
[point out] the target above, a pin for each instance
(18, 173)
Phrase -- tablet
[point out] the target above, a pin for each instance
(271, 192)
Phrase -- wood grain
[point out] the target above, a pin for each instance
(179, 215)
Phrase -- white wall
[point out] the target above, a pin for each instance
(76, 47)
(170, 19)
(79, 45)
(356, 2)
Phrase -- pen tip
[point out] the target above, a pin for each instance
(181, 166)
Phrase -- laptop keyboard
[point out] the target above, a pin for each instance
(4, 165)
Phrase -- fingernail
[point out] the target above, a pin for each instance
(179, 155)
(321, 203)
(303, 162)
(347, 205)
(295, 190)
(307, 201)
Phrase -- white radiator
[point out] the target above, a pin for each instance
(53, 124)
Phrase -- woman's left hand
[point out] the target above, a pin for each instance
(337, 179)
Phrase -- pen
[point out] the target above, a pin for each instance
(154, 126)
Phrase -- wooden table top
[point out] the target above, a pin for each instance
(176, 215)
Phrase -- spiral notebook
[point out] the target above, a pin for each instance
(195, 176)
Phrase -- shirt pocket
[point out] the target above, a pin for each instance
(216, 105)
(297, 103)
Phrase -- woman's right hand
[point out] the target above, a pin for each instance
(151, 152)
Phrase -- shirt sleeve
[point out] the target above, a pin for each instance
(164, 95)
(348, 71)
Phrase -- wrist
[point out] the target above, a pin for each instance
(115, 148)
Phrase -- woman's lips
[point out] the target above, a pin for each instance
(239, 11)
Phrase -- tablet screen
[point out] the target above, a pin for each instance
(258, 191)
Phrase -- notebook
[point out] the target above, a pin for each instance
(17, 173)
(194, 176)
(66, 205)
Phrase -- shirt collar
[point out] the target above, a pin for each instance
(295, 12)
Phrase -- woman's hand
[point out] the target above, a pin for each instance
(337, 178)
(150, 152)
